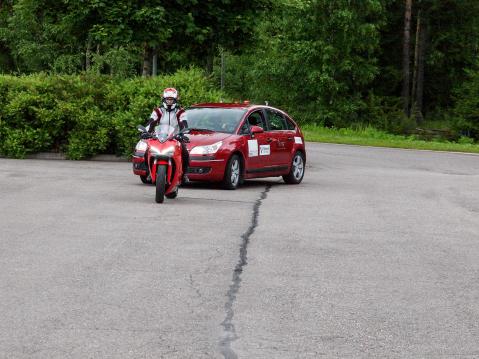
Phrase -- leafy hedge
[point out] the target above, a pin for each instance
(87, 114)
(466, 110)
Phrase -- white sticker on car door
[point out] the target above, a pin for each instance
(252, 148)
(298, 140)
(264, 150)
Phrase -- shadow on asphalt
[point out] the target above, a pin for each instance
(247, 184)
(256, 183)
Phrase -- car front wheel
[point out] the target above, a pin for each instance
(296, 173)
(232, 177)
(145, 179)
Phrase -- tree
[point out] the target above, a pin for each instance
(199, 29)
(316, 59)
(46, 34)
(466, 109)
(448, 42)
(6, 61)
(418, 75)
(406, 60)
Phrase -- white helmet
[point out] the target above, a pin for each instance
(170, 98)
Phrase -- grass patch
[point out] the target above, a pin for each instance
(371, 137)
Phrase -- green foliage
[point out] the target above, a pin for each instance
(86, 115)
(466, 109)
(90, 134)
(452, 43)
(369, 136)
(315, 59)
(67, 64)
(60, 36)
(336, 63)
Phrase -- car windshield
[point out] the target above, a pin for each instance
(214, 119)
(164, 131)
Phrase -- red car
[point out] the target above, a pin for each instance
(233, 142)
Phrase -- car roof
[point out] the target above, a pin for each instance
(223, 105)
(246, 105)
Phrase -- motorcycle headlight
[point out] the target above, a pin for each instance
(141, 146)
(168, 151)
(206, 150)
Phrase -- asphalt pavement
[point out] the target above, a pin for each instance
(374, 255)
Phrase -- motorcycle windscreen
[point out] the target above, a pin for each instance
(164, 132)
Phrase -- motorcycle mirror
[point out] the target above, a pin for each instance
(141, 128)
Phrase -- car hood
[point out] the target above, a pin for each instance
(205, 138)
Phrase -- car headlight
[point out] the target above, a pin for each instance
(141, 146)
(168, 151)
(206, 150)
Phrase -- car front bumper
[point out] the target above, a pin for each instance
(139, 165)
(206, 168)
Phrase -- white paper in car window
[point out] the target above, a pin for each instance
(264, 150)
(298, 140)
(252, 148)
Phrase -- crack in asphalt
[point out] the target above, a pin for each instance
(229, 333)
(192, 285)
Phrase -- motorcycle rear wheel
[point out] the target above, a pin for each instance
(160, 184)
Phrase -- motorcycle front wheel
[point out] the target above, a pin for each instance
(160, 184)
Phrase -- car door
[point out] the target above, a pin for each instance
(282, 139)
(258, 146)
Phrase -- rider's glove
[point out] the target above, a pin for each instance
(182, 138)
(145, 135)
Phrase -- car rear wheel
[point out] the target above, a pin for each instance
(160, 184)
(232, 177)
(296, 173)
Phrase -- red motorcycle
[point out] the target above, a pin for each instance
(157, 159)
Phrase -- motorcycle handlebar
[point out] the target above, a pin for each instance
(179, 136)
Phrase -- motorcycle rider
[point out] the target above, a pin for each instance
(170, 113)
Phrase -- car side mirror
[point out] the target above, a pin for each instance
(256, 129)
(141, 128)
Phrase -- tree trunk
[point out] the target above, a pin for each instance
(416, 58)
(210, 56)
(146, 61)
(88, 55)
(155, 62)
(418, 77)
(420, 71)
(223, 67)
(100, 62)
(405, 62)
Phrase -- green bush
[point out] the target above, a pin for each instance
(466, 110)
(87, 114)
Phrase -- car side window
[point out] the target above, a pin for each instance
(290, 125)
(244, 128)
(276, 121)
(256, 119)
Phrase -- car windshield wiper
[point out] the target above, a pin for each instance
(200, 129)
